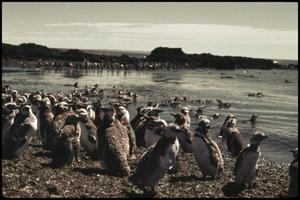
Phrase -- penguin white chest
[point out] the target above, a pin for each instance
(170, 155)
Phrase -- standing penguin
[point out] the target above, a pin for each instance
(138, 127)
(124, 117)
(293, 175)
(19, 135)
(207, 153)
(113, 144)
(246, 165)
(156, 162)
(9, 111)
(223, 128)
(234, 140)
(185, 111)
(88, 133)
(185, 137)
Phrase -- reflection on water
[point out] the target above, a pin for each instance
(278, 109)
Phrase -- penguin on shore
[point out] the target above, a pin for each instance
(185, 137)
(293, 190)
(223, 128)
(113, 146)
(19, 135)
(88, 133)
(9, 111)
(123, 116)
(246, 165)
(185, 111)
(234, 140)
(155, 163)
(206, 151)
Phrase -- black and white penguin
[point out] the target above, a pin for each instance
(140, 116)
(224, 126)
(234, 140)
(113, 148)
(246, 165)
(185, 111)
(293, 175)
(88, 133)
(66, 125)
(156, 162)
(185, 137)
(9, 111)
(123, 116)
(206, 152)
(19, 135)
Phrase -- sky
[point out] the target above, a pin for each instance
(252, 29)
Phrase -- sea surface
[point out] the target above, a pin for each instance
(277, 109)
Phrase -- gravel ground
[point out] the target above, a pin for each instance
(32, 176)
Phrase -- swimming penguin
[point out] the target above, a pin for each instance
(222, 104)
(234, 140)
(246, 165)
(253, 118)
(293, 175)
(123, 116)
(206, 152)
(156, 162)
(19, 135)
(113, 144)
(185, 137)
(88, 133)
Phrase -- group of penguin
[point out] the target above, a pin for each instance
(65, 124)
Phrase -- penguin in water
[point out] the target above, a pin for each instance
(246, 165)
(234, 140)
(18, 137)
(124, 117)
(206, 151)
(185, 137)
(88, 133)
(293, 175)
(113, 146)
(156, 162)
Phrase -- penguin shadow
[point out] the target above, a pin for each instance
(93, 170)
(42, 154)
(175, 179)
(232, 189)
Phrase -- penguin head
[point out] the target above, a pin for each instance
(179, 118)
(170, 131)
(204, 123)
(82, 114)
(61, 107)
(185, 110)
(295, 153)
(258, 137)
(142, 110)
(25, 110)
(121, 110)
(231, 122)
(109, 115)
(21, 100)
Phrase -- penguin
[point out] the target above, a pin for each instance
(293, 175)
(113, 144)
(66, 126)
(246, 165)
(47, 132)
(140, 116)
(19, 136)
(88, 133)
(206, 151)
(234, 140)
(9, 111)
(185, 111)
(123, 116)
(223, 128)
(63, 153)
(185, 137)
(222, 104)
(156, 162)
(253, 118)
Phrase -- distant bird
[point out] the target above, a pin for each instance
(246, 165)
(222, 104)
(293, 175)
(207, 153)
(234, 140)
(216, 116)
(252, 119)
(156, 162)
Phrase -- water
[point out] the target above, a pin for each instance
(278, 109)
